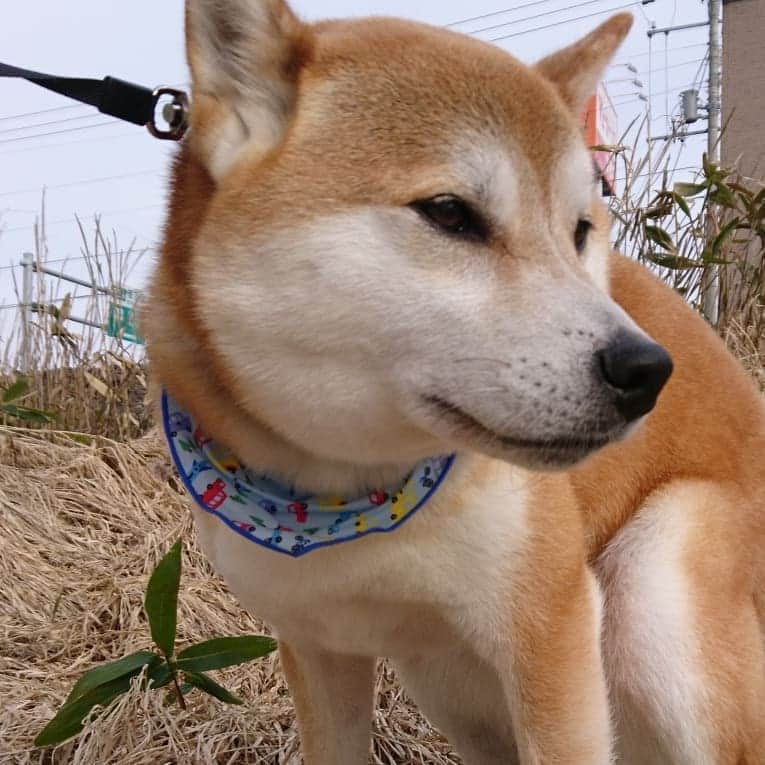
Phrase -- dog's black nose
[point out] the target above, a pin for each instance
(637, 369)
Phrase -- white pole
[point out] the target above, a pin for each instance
(650, 115)
(710, 287)
(27, 296)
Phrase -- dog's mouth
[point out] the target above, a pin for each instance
(556, 450)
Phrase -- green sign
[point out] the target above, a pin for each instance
(122, 317)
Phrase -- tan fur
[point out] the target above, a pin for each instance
(307, 144)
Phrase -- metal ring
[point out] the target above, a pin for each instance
(180, 123)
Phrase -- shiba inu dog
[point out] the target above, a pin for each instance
(386, 279)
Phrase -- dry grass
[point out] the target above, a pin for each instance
(747, 344)
(687, 232)
(82, 527)
(92, 383)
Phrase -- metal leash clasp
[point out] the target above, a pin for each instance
(175, 112)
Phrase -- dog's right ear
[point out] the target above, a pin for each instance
(245, 57)
(576, 70)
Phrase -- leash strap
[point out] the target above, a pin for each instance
(117, 98)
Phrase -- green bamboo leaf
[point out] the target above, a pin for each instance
(707, 256)
(688, 189)
(68, 721)
(161, 601)
(658, 211)
(724, 233)
(673, 262)
(607, 147)
(706, 166)
(208, 685)
(660, 236)
(80, 438)
(26, 414)
(722, 195)
(128, 665)
(160, 676)
(682, 204)
(224, 652)
(16, 390)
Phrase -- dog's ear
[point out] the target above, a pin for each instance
(576, 70)
(245, 58)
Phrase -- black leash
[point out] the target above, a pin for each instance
(118, 98)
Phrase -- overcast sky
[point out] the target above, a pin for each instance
(119, 171)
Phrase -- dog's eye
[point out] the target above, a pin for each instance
(453, 215)
(580, 234)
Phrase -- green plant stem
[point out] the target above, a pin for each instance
(176, 684)
(178, 692)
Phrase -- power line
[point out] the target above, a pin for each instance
(644, 14)
(61, 221)
(495, 13)
(633, 97)
(47, 262)
(565, 21)
(534, 16)
(50, 300)
(698, 79)
(691, 62)
(49, 122)
(660, 172)
(629, 56)
(42, 111)
(83, 182)
(57, 144)
(686, 63)
(74, 259)
(58, 132)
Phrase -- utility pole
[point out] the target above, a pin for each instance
(710, 279)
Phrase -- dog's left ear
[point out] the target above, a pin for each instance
(576, 70)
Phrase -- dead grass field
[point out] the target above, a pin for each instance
(82, 528)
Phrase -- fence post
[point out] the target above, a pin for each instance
(27, 298)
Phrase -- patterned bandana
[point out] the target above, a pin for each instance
(276, 516)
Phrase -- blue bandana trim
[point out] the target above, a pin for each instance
(275, 516)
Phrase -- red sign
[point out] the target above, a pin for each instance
(600, 129)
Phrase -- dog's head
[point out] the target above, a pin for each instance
(403, 251)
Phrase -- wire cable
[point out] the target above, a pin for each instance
(48, 123)
(58, 144)
(77, 258)
(534, 16)
(71, 219)
(83, 182)
(679, 65)
(59, 132)
(43, 111)
(495, 13)
(565, 21)
(625, 59)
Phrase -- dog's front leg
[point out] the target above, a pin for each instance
(333, 697)
(557, 688)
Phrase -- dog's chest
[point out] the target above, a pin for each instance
(402, 594)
